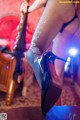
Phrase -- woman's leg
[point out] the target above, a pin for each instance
(60, 48)
(46, 30)
(35, 65)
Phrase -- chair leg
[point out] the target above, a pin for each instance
(10, 93)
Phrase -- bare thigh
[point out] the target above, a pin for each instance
(64, 39)
(60, 48)
(62, 44)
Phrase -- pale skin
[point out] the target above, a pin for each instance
(36, 5)
(52, 19)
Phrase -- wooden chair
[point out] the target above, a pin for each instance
(11, 62)
(7, 84)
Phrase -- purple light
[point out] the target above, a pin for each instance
(7, 67)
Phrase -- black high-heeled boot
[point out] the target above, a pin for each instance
(50, 91)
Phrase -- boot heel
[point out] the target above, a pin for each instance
(50, 91)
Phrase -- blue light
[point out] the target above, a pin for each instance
(73, 52)
(59, 113)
